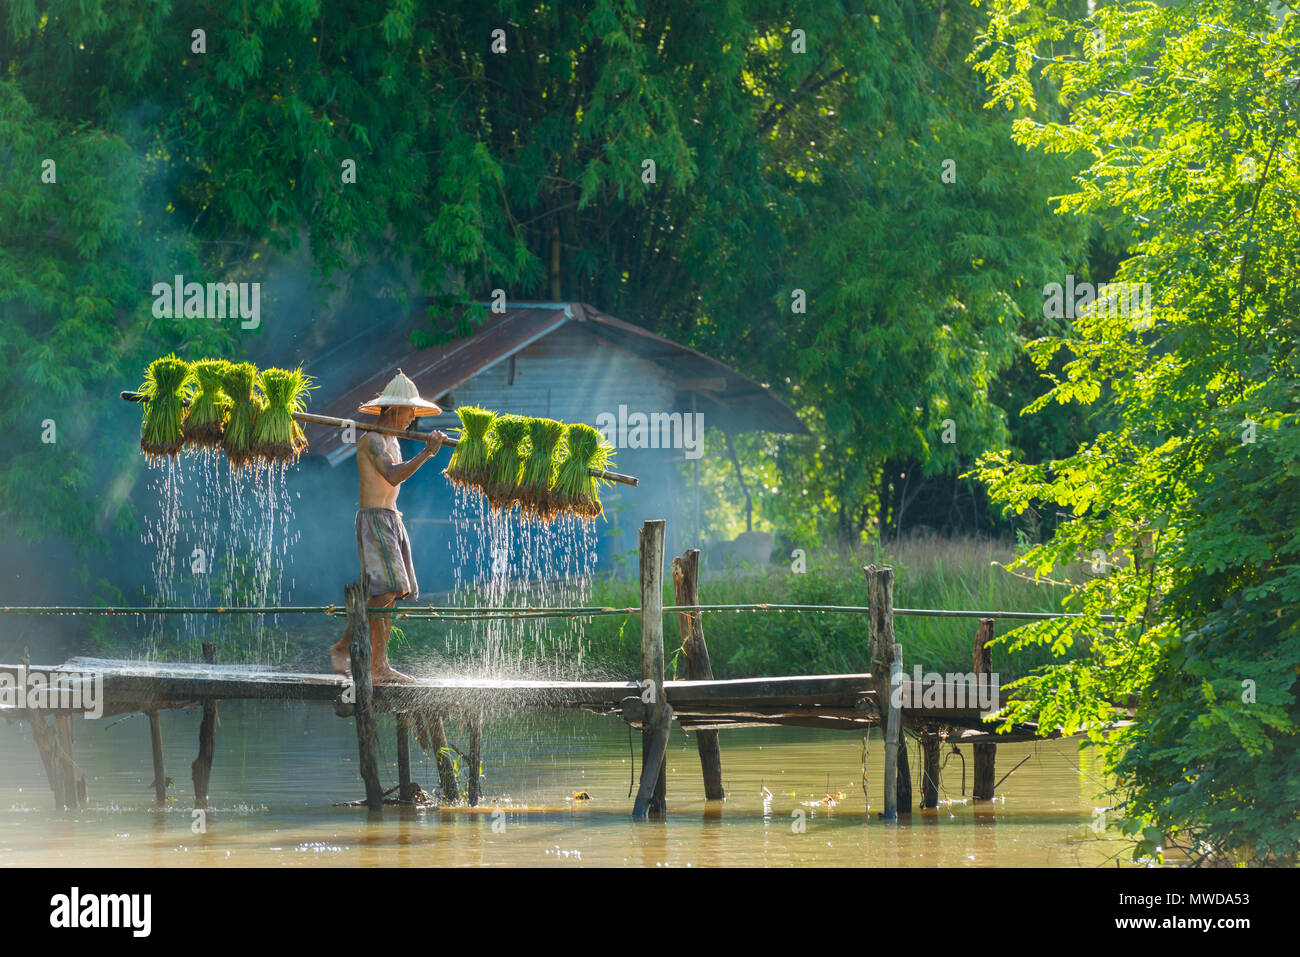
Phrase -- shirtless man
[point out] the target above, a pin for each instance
(382, 542)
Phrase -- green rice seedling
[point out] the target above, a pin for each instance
(276, 436)
(544, 437)
(238, 382)
(167, 385)
(207, 415)
(576, 489)
(468, 465)
(505, 460)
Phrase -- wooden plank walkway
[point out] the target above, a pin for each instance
(844, 702)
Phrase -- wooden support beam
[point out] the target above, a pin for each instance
(405, 791)
(887, 678)
(47, 746)
(357, 595)
(159, 771)
(201, 767)
(652, 769)
(904, 784)
(446, 771)
(985, 753)
(652, 657)
(893, 731)
(473, 788)
(68, 766)
(930, 770)
(686, 590)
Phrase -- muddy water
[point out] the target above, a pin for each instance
(280, 768)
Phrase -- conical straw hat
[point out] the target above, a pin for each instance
(401, 391)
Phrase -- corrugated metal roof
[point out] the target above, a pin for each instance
(357, 369)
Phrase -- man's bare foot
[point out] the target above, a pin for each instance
(341, 660)
(387, 674)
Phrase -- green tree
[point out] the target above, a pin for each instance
(1187, 506)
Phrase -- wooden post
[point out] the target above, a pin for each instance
(438, 740)
(652, 668)
(893, 727)
(985, 754)
(903, 788)
(686, 590)
(201, 768)
(68, 766)
(657, 752)
(159, 771)
(930, 770)
(885, 654)
(404, 791)
(47, 745)
(356, 595)
(475, 757)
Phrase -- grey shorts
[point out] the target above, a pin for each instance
(385, 553)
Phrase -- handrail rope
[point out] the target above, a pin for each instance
(466, 612)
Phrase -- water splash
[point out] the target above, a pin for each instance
(502, 559)
(220, 536)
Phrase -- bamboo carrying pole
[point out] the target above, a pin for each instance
(332, 422)
(651, 796)
(367, 733)
(686, 583)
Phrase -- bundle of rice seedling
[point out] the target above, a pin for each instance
(238, 381)
(505, 460)
(206, 419)
(468, 465)
(576, 489)
(166, 388)
(544, 437)
(276, 436)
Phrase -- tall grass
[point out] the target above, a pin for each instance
(928, 573)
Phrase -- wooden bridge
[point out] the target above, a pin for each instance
(852, 702)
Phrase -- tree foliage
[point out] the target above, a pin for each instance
(1187, 506)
